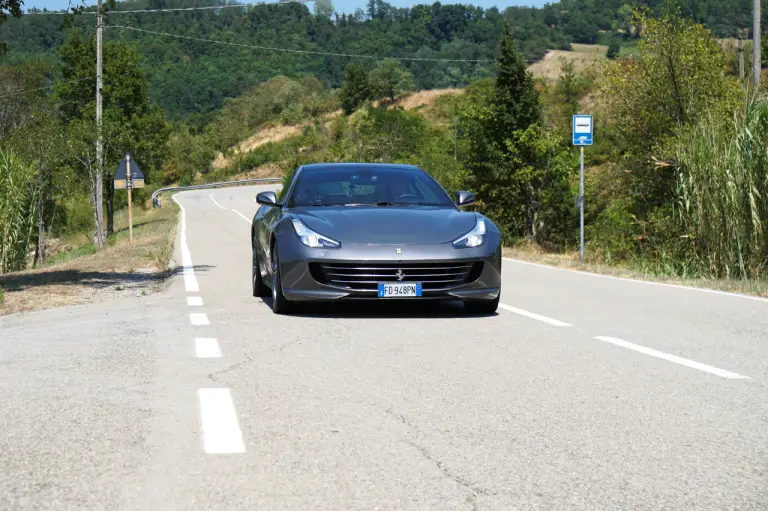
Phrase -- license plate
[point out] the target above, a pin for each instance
(400, 290)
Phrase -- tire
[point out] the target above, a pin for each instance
(481, 307)
(279, 304)
(259, 288)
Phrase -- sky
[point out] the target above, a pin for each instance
(346, 6)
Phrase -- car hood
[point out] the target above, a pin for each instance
(388, 225)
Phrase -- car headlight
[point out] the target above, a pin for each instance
(473, 238)
(312, 239)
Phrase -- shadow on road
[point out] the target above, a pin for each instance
(96, 279)
(380, 309)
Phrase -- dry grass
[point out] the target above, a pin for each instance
(89, 275)
(424, 98)
(263, 171)
(265, 135)
(280, 132)
(530, 252)
(584, 57)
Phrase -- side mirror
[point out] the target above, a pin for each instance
(463, 198)
(267, 199)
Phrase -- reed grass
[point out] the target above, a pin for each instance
(722, 191)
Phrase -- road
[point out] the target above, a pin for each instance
(583, 392)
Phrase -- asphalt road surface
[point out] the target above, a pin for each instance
(583, 392)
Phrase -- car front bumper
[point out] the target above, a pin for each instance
(446, 273)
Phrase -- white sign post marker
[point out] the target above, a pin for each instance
(582, 136)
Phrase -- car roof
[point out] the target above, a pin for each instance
(312, 167)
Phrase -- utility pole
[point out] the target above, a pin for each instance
(99, 137)
(756, 63)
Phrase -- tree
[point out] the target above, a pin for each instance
(613, 50)
(516, 101)
(680, 75)
(12, 7)
(140, 127)
(514, 167)
(569, 88)
(390, 79)
(356, 89)
(41, 142)
(323, 8)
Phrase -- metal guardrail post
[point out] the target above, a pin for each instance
(263, 180)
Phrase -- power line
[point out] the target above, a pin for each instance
(289, 50)
(178, 9)
(212, 7)
(47, 87)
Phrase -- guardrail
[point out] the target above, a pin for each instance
(263, 180)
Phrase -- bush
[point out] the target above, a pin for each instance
(613, 50)
(79, 216)
(613, 234)
(2, 296)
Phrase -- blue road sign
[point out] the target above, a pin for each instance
(582, 130)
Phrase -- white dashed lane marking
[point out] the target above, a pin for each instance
(207, 347)
(194, 301)
(199, 319)
(533, 315)
(672, 358)
(221, 431)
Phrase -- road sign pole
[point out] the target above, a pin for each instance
(130, 209)
(581, 208)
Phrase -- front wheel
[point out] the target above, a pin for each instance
(259, 288)
(279, 304)
(481, 307)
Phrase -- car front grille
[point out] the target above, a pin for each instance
(365, 276)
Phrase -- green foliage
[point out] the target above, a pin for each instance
(281, 100)
(519, 172)
(18, 202)
(680, 75)
(390, 79)
(195, 77)
(356, 89)
(722, 191)
(323, 8)
(2, 296)
(389, 134)
(613, 50)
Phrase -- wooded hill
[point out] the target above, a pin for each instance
(192, 77)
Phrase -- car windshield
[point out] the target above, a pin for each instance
(352, 187)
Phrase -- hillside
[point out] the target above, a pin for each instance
(196, 76)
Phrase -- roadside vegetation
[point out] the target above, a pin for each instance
(79, 273)
(676, 183)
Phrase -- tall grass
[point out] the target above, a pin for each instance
(722, 191)
(19, 193)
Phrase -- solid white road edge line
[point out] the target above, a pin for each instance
(207, 347)
(230, 209)
(672, 358)
(532, 315)
(194, 301)
(221, 432)
(638, 281)
(199, 318)
(190, 281)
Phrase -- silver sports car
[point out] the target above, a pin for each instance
(345, 231)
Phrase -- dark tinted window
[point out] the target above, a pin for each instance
(352, 186)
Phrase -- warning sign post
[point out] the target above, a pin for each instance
(128, 177)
